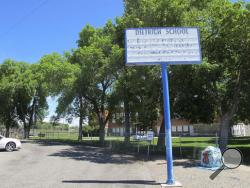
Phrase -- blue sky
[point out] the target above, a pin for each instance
(32, 28)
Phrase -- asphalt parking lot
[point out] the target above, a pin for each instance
(55, 165)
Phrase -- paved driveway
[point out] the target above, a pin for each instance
(64, 166)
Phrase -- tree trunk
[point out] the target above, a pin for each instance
(127, 122)
(80, 121)
(224, 130)
(101, 131)
(227, 116)
(226, 119)
(26, 132)
(80, 129)
(29, 126)
(7, 133)
(161, 136)
(31, 118)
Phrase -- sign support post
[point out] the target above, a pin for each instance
(167, 124)
(163, 46)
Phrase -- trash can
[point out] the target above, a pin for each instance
(211, 157)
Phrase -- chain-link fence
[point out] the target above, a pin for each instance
(184, 147)
(37, 133)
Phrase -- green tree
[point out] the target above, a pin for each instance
(99, 59)
(30, 96)
(71, 105)
(143, 93)
(192, 89)
(38, 106)
(61, 78)
(22, 95)
(8, 114)
(225, 35)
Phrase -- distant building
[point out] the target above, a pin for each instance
(180, 127)
(115, 126)
(115, 129)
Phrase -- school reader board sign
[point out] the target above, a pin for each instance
(171, 45)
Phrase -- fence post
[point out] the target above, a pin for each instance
(195, 149)
(180, 146)
(148, 151)
(216, 140)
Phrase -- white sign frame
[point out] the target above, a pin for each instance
(158, 45)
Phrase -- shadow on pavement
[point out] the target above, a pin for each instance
(55, 142)
(138, 182)
(189, 163)
(185, 163)
(95, 155)
(26, 141)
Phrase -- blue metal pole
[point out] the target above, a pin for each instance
(167, 124)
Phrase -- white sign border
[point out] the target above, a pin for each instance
(159, 63)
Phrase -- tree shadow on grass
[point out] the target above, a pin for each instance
(239, 141)
(246, 155)
(133, 182)
(211, 141)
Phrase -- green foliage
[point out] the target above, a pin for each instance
(225, 40)
(192, 89)
(22, 94)
(8, 71)
(99, 59)
(58, 73)
(143, 91)
(85, 35)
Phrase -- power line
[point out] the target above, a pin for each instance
(23, 18)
